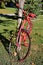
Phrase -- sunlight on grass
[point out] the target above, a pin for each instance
(8, 11)
(37, 31)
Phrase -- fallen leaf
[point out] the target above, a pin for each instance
(33, 63)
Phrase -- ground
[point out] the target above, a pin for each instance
(36, 52)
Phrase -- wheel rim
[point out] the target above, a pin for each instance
(24, 50)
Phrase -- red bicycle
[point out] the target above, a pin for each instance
(23, 41)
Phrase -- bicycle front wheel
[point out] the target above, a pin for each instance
(25, 42)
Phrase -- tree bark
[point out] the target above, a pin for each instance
(20, 13)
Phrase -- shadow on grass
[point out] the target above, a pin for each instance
(4, 41)
(9, 16)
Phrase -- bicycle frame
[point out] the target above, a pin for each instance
(27, 19)
(24, 34)
(28, 28)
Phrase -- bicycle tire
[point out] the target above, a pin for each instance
(13, 47)
(29, 46)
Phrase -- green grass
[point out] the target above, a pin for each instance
(37, 32)
(8, 10)
(36, 52)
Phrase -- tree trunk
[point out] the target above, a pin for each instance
(20, 13)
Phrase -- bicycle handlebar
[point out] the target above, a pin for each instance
(24, 12)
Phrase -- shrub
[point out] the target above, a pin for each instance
(2, 5)
(33, 6)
